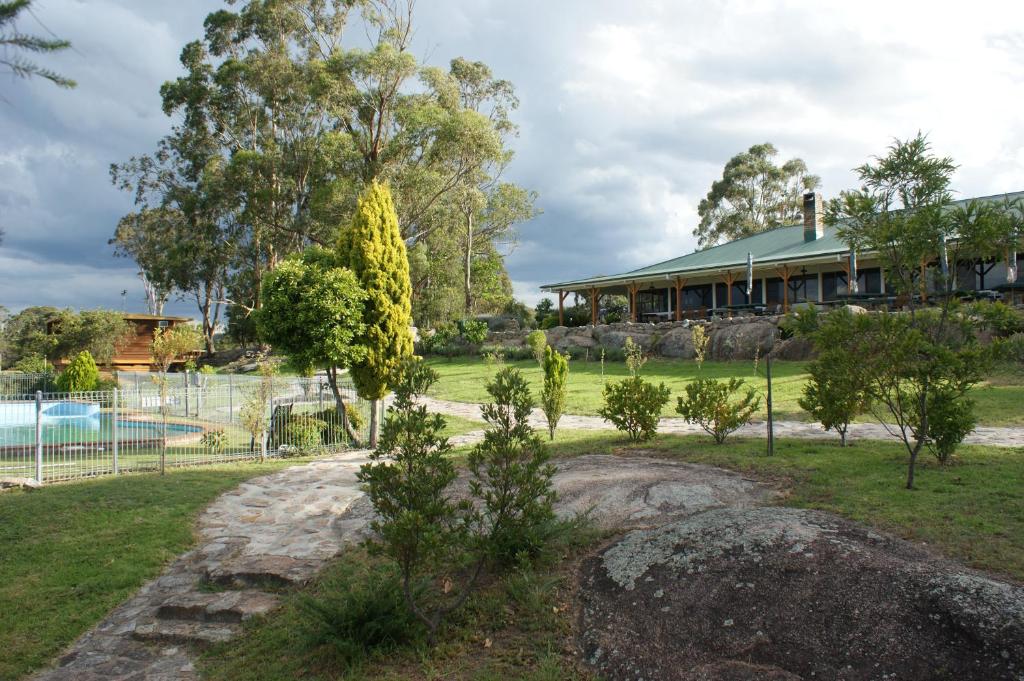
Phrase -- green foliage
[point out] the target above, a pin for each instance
(836, 392)
(545, 311)
(81, 375)
(33, 364)
(313, 311)
(701, 339)
(473, 331)
(633, 405)
(556, 375)
(518, 311)
(537, 341)
(419, 525)
(1010, 349)
(333, 432)
(951, 418)
(709, 403)
(999, 318)
(215, 441)
(254, 414)
(441, 339)
(304, 432)
(101, 332)
(635, 357)
(374, 250)
(24, 334)
(614, 309)
(173, 344)
(11, 39)
(356, 616)
(802, 322)
(753, 195)
(510, 473)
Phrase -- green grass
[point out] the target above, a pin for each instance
(463, 380)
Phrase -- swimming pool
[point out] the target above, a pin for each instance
(90, 429)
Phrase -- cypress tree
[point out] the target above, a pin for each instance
(375, 252)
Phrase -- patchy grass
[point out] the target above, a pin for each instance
(518, 625)
(971, 510)
(462, 379)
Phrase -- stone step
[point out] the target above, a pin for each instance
(226, 606)
(263, 572)
(176, 632)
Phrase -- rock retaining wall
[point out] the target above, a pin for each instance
(735, 338)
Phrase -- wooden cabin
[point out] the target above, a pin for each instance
(136, 356)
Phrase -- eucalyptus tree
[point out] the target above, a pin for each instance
(754, 194)
(14, 44)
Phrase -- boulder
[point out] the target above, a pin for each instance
(787, 594)
(741, 339)
(20, 483)
(677, 342)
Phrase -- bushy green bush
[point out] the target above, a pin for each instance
(1010, 349)
(355, 614)
(473, 331)
(999, 318)
(708, 403)
(511, 473)
(33, 364)
(81, 375)
(215, 441)
(950, 419)
(304, 432)
(441, 340)
(556, 374)
(333, 432)
(802, 322)
(537, 341)
(634, 405)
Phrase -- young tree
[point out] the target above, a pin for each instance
(708, 402)
(419, 523)
(374, 250)
(837, 391)
(753, 195)
(312, 311)
(927, 358)
(170, 345)
(80, 375)
(634, 405)
(13, 41)
(556, 374)
(510, 472)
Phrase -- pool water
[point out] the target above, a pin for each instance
(97, 428)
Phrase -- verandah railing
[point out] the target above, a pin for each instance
(143, 426)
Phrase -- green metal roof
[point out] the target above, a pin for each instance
(775, 246)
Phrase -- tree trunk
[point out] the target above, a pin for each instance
(842, 437)
(374, 425)
(332, 381)
(469, 264)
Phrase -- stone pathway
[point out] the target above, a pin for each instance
(983, 435)
(270, 532)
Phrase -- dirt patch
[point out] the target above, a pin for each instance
(778, 593)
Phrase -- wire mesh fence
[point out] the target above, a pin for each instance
(155, 424)
(20, 383)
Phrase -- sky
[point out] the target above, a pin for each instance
(628, 112)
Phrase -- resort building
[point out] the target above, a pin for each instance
(767, 273)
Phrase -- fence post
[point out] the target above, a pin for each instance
(231, 400)
(185, 374)
(113, 429)
(320, 391)
(39, 436)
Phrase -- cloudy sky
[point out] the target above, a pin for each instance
(629, 110)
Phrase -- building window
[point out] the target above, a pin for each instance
(652, 300)
(697, 297)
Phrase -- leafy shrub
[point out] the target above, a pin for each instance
(356, 615)
(537, 341)
(701, 339)
(708, 403)
(33, 364)
(305, 432)
(510, 473)
(1010, 349)
(635, 357)
(633, 405)
(333, 432)
(950, 419)
(520, 312)
(556, 373)
(215, 441)
(441, 339)
(1000, 318)
(802, 322)
(549, 322)
(419, 525)
(473, 331)
(81, 375)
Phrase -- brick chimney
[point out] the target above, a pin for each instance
(814, 216)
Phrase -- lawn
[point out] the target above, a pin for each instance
(70, 552)
(463, 379)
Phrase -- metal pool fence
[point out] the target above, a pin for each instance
(146, 425)
(18, 383)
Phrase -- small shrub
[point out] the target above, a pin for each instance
(999, 318)
(33, 364)
(441, 339)
(356, 615)
(1010, 349)
(836, 393)
(802, 322)
(556, 374)
(510, 473)
(635, 357)
(305, 432)
(950, 420)
(700, 337)
(473, 331)
(81, 375)
(634, 405)
(495, 359)
(215, 441)
(537, 341)
(333, 432)
(708, 403)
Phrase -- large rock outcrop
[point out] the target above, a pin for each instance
(739, 338)
(787, 594)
